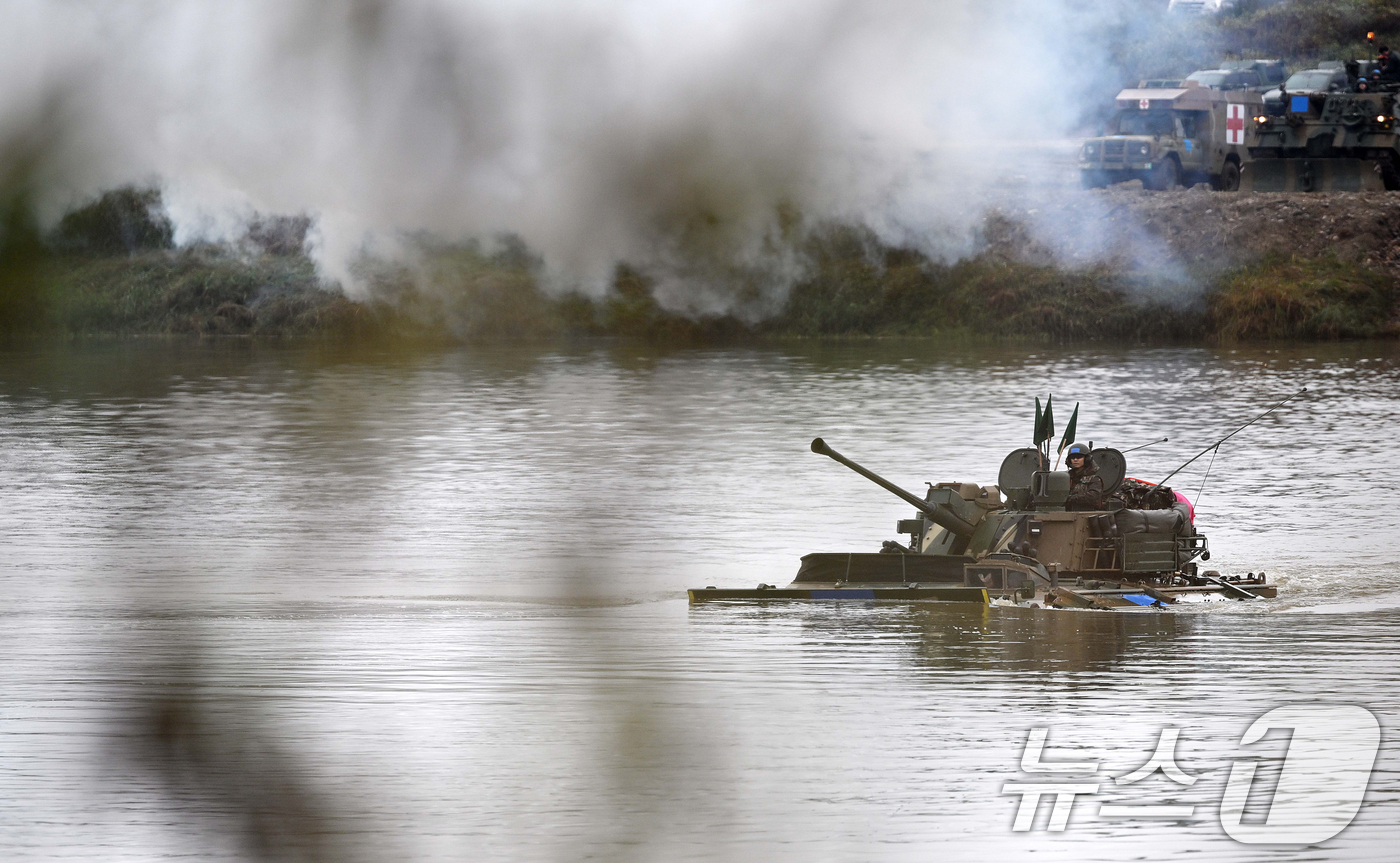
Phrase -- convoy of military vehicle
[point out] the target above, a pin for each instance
(1249, 126)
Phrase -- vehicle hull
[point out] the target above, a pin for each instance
(1103, 596)
(1312, 175)
(898, 593)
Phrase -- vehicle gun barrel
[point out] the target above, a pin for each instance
(938, 514)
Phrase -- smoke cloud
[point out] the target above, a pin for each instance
(693, 140)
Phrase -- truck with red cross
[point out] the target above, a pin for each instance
(1173, 133)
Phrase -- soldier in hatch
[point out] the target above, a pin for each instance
(1386, 64)
(1086, 486)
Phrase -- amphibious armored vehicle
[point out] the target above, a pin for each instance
(1016, 543)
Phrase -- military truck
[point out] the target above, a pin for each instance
(1230, 79)
(1167, 137)
(1327, 141)
(1273, 71)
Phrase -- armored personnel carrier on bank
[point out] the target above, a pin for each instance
(1168, 136)
(1327, 142)
(1017, 543)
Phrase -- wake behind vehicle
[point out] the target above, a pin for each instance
(1170, 136)
(1020, 543)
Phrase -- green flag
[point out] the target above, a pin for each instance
(1069, 429)
(1044, 421)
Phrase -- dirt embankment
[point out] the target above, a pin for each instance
(1255, 265)
(1205, 232)
(1244, 227)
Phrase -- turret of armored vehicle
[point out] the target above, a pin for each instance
(1327, 141)
(1172, 136)
(1017, 543)
(1306, 83)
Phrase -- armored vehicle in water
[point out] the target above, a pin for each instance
(1025, 542)
(1016, 542)
(1170, 136)
(1327, 141)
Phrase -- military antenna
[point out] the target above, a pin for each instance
(1232, 434)
(1144, 446)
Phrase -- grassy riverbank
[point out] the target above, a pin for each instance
(463, 295)
(1119, 265)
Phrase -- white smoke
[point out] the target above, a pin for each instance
(677, 135)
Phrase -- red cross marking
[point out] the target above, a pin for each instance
(1234, 124)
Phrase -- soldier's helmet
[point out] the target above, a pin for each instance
(1076, 449)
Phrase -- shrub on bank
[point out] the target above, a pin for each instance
(23, 281)
(456, 292)
(127, 220)
(195, 291)
(858, 288)
(1304, 299)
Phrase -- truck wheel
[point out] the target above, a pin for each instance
(1165, 175)
(1229, 179)
(1092, 179)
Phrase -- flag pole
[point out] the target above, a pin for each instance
(1070, 428)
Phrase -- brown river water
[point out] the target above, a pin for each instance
(294, 602)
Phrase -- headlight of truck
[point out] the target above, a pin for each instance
(1144, 149)
(1091, 150)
